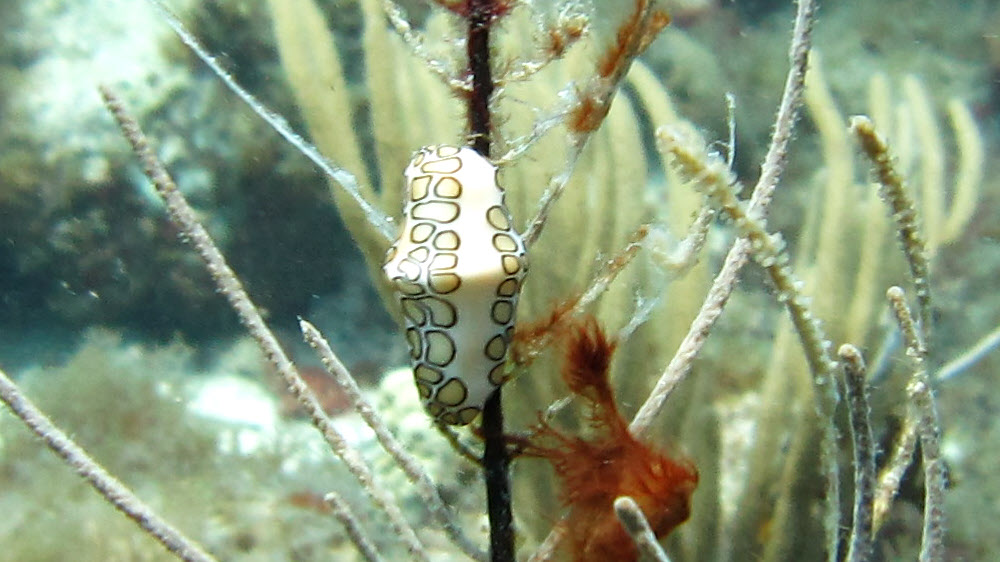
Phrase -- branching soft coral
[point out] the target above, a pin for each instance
(611, 463)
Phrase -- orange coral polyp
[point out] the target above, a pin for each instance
(594, 472)
(587, 361)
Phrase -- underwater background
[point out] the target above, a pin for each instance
(111, 324)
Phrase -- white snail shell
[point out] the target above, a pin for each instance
(457, 269)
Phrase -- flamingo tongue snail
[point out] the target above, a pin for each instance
(457, 270)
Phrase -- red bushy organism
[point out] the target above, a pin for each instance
(611, 463)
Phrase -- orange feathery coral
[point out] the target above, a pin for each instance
(611, 463)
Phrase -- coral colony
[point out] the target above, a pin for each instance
(531, 378)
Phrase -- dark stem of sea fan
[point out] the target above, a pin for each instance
(496, 462)
(481, 14)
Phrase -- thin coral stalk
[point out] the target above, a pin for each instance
(116, 493)
(684, 255)
(417, 475)
(861, 541)
(986, 345)
(594, 101)
(183, 216)
(611, 268)
(547, 549)
(634, 522)
(969, 176)
(725, 281)
(532, 339)
(555, 40)
(928, 427)
(891, 477)
(904, 211)
(415, 42)
(712, 177)
(342, 511)
(788, 109)
(480, 17)
(377, 219)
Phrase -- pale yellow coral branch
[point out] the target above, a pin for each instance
(969, 176)
(931, 156)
